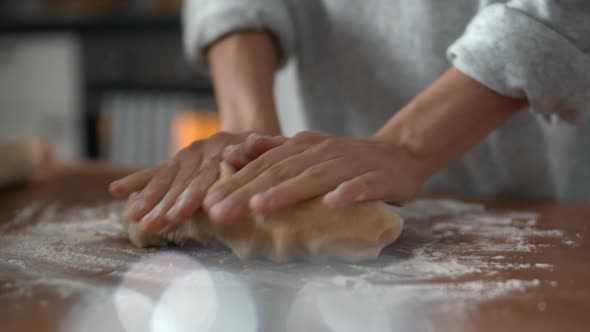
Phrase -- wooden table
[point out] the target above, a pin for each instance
(533, 276)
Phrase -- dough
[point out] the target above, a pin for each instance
(307, 231)
(21, 159)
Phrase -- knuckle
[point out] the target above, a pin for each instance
(307, 136)
(358, 186)
(316, 172)
(220, 135)
(332, 143)
(280, 173)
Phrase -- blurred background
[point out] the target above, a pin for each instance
(105, 79)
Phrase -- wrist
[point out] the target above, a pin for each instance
(247, 114)
(447, 119)
(243, 65)
(260, 122)
(416, 168)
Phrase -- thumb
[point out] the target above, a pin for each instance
(256, 145)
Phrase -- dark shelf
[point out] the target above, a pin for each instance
(200, 88)
(118, 40)
(90, 24)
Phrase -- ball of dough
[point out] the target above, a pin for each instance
(305, 231)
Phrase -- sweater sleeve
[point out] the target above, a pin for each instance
(205, 21)
(534, 49)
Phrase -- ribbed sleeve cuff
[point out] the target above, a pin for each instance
(207, 21)
(516, 55)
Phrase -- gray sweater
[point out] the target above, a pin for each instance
(359, 61)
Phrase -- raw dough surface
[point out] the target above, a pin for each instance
(307, 231)
(20, 159)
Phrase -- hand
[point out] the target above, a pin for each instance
(346, 170)
(239, 155)
(173, 191)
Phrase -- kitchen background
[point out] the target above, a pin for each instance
(106, 79)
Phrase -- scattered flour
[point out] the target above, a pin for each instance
(449, 249)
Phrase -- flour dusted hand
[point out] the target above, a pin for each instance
(308, 231)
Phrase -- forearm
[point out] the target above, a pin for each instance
(454, 114)
(243, 66)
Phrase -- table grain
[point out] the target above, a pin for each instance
(563, 305)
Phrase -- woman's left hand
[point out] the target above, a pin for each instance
(311, 164)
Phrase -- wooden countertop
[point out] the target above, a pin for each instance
(464, 271)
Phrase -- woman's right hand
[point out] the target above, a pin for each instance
(173, 191)
(242, 66)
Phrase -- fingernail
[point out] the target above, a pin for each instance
(135, 208)
(261, 200)
(156, 211)
(335, 198)
(214, 197)
(172, 214)
(220, 210)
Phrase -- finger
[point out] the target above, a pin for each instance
(314, 181)
(153, 193)
(236, 204)
(192, 197)
(256, 145)
(155, 219)
(366, 187)
(299, 143)
(132, 183)
(253, 147)
(236, 155)
(219, 191)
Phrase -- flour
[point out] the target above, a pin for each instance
(446, 251)
(429, 208)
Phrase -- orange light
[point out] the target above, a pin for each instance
(189, 126)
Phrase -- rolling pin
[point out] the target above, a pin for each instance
(19, 160)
